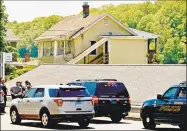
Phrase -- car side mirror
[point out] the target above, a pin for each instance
(159, 96)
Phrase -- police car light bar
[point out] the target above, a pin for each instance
(106, 80)
(183, 82)
(86, 80)
(96, 80)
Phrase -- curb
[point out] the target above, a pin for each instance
(133, 118)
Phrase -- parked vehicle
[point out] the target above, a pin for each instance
(2, 102)
(110, 97)
(170, 108)
(53, 104)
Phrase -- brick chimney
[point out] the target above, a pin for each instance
(85, 7)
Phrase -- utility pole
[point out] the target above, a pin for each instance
(5, 58)
(2, 64)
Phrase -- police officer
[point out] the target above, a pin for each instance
(27, 85)
(4, 88)
(16, 91)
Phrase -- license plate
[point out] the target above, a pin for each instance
(78, 103)
(113, 102)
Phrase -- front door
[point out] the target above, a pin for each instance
(106, 52)
(24, 106)
(178, 106)
(106, 47)
(163, 107)
(37, 101)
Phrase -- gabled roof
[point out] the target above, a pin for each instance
(10, 36)
(144, 34)
(69, 26)
(73, 26)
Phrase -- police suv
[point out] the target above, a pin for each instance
(110, 97)
(52, 104)
(169, 108)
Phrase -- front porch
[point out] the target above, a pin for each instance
(55, 51)
(152, 50)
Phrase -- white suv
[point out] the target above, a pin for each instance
(52, 104)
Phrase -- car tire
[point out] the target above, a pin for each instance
(45, 119)
(116, 118)
(84, 122)
(14, 116)
(148, 121)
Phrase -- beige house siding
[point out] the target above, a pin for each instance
(98, 29)
(127, 51)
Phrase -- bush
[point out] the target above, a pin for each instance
(17, 72)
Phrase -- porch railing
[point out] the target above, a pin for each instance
(100, 59)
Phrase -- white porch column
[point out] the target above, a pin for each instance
(64, 48)
(55, 48)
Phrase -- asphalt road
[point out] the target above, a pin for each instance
(101, 123)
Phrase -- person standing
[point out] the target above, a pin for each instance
(4, 88)
(27, 85)
(22, 87)
(16, 91)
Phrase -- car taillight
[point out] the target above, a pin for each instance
(129, 101)
(95, 99)
(59, 102)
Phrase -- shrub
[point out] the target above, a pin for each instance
(17, 72)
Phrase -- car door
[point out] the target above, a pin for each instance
(178, 106)
(37, 101)
(162, 106)
(24, 103)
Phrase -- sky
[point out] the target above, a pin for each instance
(28, 10)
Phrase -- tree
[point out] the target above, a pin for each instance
(163, 17)
(3, 20)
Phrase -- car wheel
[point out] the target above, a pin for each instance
(14, 116)
(45, 119)
(83, 123)
(148, 122)
(116, 118)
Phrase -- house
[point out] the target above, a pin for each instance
(95, 39)
(11, 38)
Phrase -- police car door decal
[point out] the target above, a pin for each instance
(170, 108)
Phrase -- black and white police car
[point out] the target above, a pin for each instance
(169, 108)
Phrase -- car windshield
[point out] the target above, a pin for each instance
(106, 89)
(69, 92)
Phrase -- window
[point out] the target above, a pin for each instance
(30, 93)
(68, 92)
(106, 21)
(171, 93)
(39, 92)
(48, 49)
(108, 89)
(91, 86)
(94, 52)
(182, 94)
